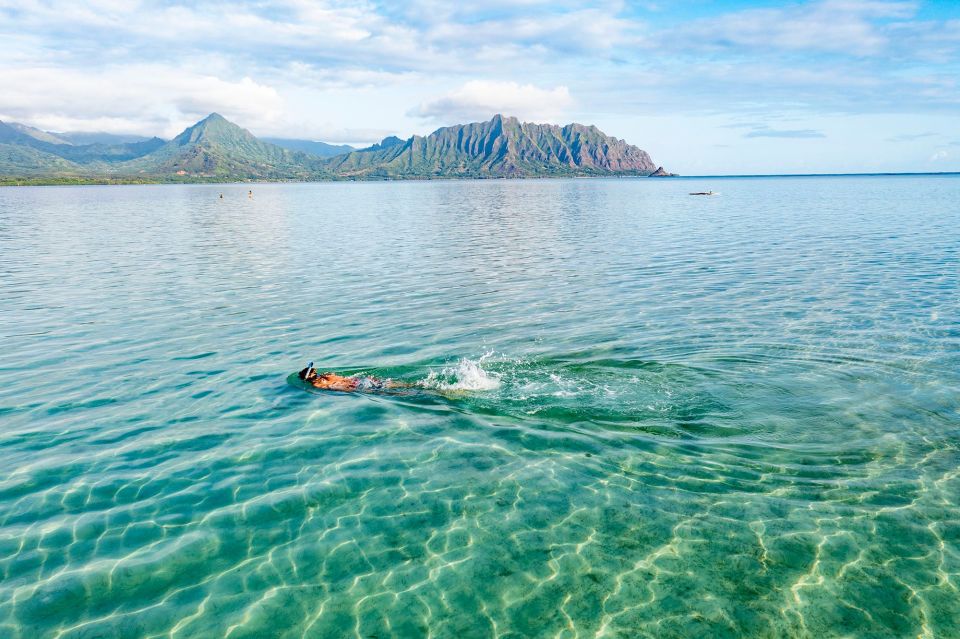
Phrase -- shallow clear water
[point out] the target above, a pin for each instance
(640, 413)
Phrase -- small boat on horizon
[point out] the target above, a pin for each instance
(703, 193)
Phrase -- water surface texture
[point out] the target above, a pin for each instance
(639, 413)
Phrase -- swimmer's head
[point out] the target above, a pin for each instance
(307, 373)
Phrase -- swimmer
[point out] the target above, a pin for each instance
(334, 382)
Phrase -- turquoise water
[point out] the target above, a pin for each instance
(638, 413)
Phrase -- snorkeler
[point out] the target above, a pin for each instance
(334, 382)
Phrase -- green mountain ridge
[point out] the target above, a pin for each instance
(99, 156)
(387, 142)
(313, 147)
(26, 161)
(215, 149)
(38, 134)
(86, 137)
(500, 147)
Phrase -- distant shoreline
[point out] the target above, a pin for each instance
(23, 181)
(802, 175)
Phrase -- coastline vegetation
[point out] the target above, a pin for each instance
(215, 150)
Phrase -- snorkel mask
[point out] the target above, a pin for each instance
(305, 373)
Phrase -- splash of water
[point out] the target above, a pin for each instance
(467, 374)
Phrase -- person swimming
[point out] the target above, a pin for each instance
(346, 384)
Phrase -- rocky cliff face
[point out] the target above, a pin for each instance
(500, 147)
(660, 172)
(216, 149)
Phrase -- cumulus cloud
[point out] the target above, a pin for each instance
(834, 26)
(257, 34)
(279, 66)
(481, 99)
(585, 30)
(538, 28)
(147, 98)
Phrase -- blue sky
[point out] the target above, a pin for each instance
(705, 86)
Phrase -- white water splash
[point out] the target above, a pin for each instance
(467, 374)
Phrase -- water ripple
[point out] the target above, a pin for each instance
(634, 414)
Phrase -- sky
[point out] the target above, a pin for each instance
(705, 86)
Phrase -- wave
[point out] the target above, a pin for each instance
(465, 375)
(705, 398)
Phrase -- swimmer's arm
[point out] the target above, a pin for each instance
(341, 384)
(393, 384)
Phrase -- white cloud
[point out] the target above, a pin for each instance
(833, 26)
(256, 34)
(351, 69)
(132, 98)
(481, 99)
(325, 78)
(582, 31)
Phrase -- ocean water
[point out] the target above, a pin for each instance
(635, 413)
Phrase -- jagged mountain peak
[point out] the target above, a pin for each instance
(215, 128)
(502, 146)
(38, 134)
(390, 140)
(386, 143)
(215, 148)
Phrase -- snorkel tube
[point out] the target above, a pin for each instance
(305, 373)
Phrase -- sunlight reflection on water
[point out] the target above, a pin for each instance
(642, 414)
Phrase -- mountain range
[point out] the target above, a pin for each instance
(216, 150)
(314, 147)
